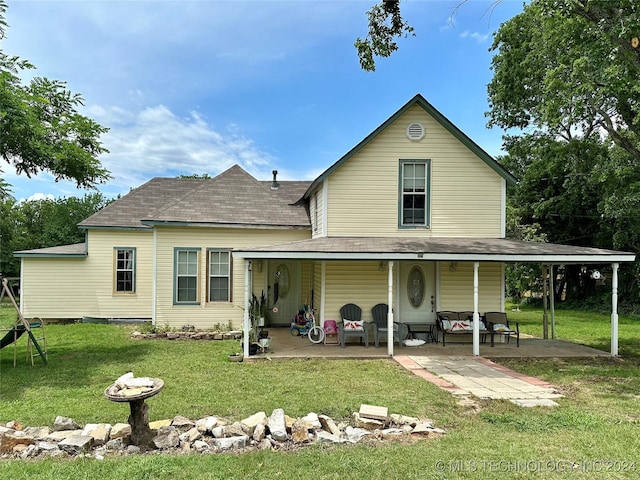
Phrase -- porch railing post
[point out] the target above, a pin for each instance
(245, 323)
(476, 315)
(390, 314)
(614, 310)
(552, 302)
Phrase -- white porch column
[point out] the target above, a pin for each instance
(245, 322)
(552, 302)
(614, 310)
(390, 314)
(323, 276)
(476, 315)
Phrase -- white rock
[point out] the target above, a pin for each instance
(313, 420)
(231, 442)
(64, 423)
(391, 432)
(354, 435)
(76, 444)
(120, 430)
(326, 437)
(206, 424)
(255, 419)
(277, 425)
(329, 425)
(201, 445)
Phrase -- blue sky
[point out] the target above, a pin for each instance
(197, 86)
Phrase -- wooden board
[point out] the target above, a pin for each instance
(374, 412)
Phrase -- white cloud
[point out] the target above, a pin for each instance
(40, 196)
(156, 142)
(479, 37)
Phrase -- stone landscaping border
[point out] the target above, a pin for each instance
(212, 435)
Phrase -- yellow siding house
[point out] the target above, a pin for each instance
(412, 217)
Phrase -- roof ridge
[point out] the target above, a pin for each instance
(203, 183)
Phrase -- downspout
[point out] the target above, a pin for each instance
(390, 314)
(245, 321)
(614, 310)
(476, 315)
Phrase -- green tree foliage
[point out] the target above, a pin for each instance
(42, 223)
(41, 129)
(567, 78)
(386, 25)
(568, 68)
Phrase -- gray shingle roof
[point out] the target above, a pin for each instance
(435, 248)
(74, 250)
(232, 198)
(141, 203)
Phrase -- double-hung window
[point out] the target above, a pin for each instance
(219, 275)
(186, 262)
(414, 193)
(125, 270)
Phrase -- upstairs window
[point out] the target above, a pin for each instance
(219, 275)
(125, 270)
(414, 193)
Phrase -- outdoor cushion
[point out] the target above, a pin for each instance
(446, 324)
(353, 325)
(459, 326)
(501, 327)
(482, 325)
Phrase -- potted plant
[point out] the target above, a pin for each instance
(262, 315)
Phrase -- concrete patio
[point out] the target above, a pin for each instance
(284, 346)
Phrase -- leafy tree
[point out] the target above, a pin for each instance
(385, 26)
(568, 67)
(42, 223)
(41, 129)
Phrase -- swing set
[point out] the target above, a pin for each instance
(21, 327)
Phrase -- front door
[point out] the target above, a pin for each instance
(284, 291)
(416, 293)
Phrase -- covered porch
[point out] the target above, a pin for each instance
(285, 346)
(438, 250)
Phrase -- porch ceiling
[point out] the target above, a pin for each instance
(434, 248)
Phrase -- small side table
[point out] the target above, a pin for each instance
(428, 328)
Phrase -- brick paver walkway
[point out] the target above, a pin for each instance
(482, 378)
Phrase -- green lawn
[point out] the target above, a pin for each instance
(598, 420)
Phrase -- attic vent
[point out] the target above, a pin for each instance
(415, 132)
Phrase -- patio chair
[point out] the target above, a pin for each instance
(380, 328)
(351, 324)
(497, 322)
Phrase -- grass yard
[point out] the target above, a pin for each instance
(599, 420)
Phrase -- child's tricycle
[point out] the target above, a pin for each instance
(304, 323)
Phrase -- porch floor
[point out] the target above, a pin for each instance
(284, 345)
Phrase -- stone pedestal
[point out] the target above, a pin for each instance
(141, 433)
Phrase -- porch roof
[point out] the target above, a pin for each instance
(434, 248)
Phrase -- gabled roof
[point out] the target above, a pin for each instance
(139, 203)
(235, 198)
(441, 119)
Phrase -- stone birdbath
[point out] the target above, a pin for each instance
(135, 391)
